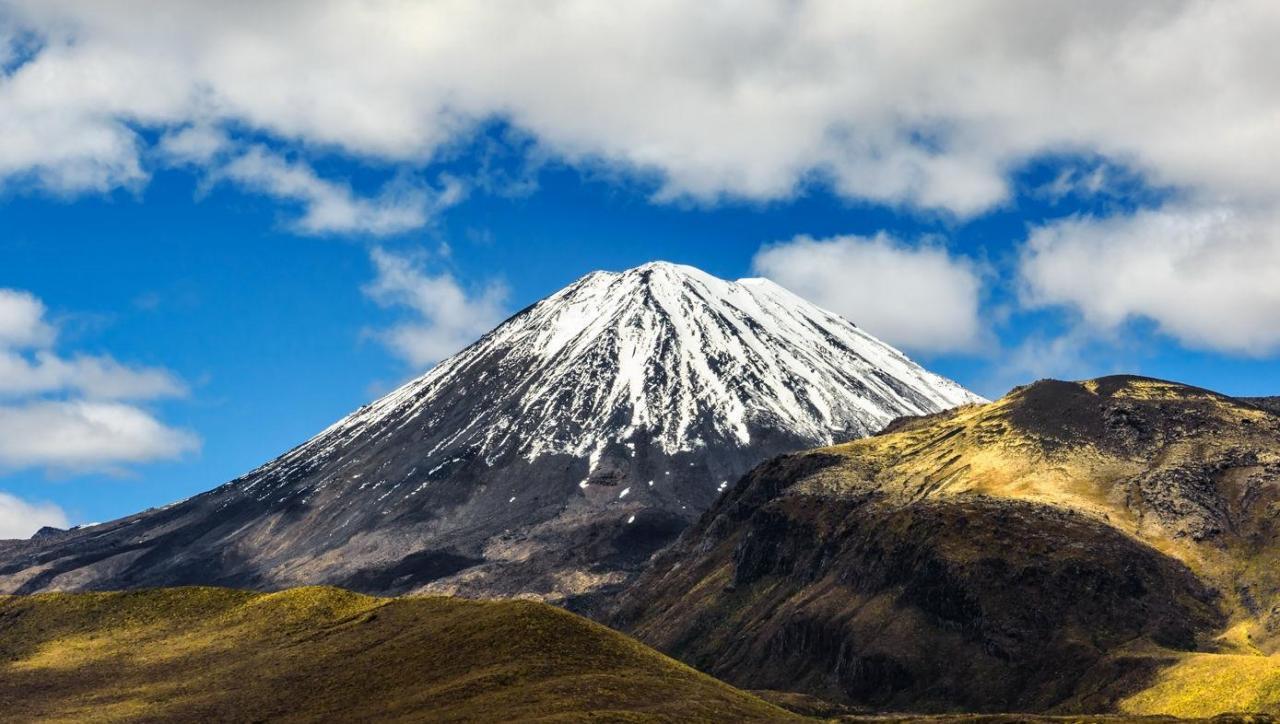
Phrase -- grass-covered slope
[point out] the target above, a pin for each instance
(1107, 545)
(311, 654)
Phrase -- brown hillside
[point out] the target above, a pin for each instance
(1070, 547)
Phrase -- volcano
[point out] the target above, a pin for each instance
(551, 458)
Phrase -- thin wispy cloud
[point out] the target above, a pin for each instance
(330, 207)
(444, 316)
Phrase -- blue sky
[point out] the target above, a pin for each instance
(221, 252)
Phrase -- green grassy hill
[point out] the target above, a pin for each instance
(324, 653)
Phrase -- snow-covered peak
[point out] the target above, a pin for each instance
(665, 353)
(667, 267)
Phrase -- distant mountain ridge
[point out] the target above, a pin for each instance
(551, 457)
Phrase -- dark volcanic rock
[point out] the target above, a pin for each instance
(48, 531)
(1267, 403)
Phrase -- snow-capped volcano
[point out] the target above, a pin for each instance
(552, 456)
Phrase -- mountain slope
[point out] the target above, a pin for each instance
(551, 457)
(1071, 547)
(313, 654)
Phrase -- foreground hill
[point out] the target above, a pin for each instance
(551, 457)
(211, 654)
(1104, 545)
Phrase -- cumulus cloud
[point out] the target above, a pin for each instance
(20, 518)
(447, 317)
(29, 365)
(80, 435)
(79, 412)
(100, 377)
(193, 145)
(925, 105)
(915, 296)
(1205, 276)
(22, 322)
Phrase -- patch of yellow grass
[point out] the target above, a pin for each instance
(1204, 685)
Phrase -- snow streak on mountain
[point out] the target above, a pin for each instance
(550, 457)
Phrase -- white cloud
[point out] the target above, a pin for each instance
(77, 412)
(331, 207)
(97, 377)
(1077, 182)
(913, 296)
(196, 145)
(1209, 277)
(448, 317)
(19, 518)
(923, 104)
(29, 366)
(22, 322)
(83, 435)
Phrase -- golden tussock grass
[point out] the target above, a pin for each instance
(327, 654)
